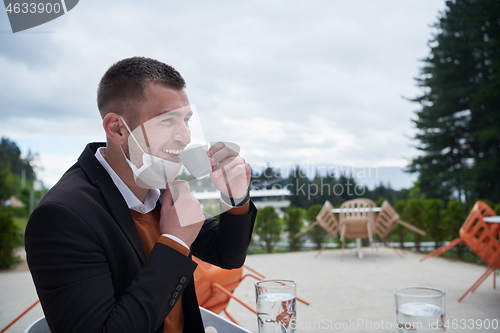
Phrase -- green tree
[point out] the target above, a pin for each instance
(413, 215)
(300, 186)
(459, 119)
(268, 227)
(320, 190)
(7, 187)
(496, 208)
(383, 192)
(14, 168)
(8, 238)
(433, 220)
(10, 158)
(350, 188)
(454, 218)
(400, 208)
(294, 221)
(267, 178)
(317, 233)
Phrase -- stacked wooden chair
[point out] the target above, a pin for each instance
(387, 220)
(327, 220)
(357, 220)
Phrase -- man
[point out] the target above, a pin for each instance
(106, 252)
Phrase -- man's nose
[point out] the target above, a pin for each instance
(182, 133)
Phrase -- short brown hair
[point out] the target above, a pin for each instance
(124, 83)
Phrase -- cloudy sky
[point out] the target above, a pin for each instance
(308, 82)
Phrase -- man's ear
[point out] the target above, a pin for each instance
(115, 129)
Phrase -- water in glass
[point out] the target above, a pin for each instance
(276, 312)
(420, 318)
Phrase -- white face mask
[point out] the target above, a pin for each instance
(155, 172)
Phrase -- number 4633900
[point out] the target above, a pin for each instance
(32, 8)
(471, 323)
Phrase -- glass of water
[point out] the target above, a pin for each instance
(276, 306)
(420, 309)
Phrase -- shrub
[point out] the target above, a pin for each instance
(317, 233)
(294, 222)
(269, 227)
(8, 238)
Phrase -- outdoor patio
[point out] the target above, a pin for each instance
(347, 294)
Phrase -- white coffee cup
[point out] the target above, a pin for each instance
(196, 161)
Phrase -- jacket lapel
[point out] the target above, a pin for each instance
(116, 204)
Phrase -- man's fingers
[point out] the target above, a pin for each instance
(215, 147)
(220, 157)
(178, 188)
(235, 171)
(230, 163)
(167, 199)
(188, 210)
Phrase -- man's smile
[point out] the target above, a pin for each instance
(173, 151)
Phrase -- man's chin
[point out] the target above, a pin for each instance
(173, 158)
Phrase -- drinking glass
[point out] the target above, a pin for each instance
(276, 306)
(420, 309)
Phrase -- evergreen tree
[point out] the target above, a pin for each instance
(13, 168)
(267, 178)
(385, 192)
(320, 189)
(349, 188)
(299, 186)
(10, 158)
(459, 119)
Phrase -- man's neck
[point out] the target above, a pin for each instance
(114, 156)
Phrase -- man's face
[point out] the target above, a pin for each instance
(163, 119)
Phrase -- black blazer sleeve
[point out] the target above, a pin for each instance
(224, 242)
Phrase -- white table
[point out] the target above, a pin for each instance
(492, 219)
(350, 210)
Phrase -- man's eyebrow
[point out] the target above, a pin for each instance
(174, 113)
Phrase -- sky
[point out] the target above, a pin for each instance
(319, 82)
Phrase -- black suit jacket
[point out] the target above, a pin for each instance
(89, 267)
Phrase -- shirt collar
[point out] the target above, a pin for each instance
(130, 198)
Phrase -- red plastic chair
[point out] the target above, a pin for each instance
(480, 237)
(215, 287)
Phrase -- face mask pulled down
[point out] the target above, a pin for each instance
(155, 172)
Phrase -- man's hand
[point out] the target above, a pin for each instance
(230, 173)
(181, 214)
